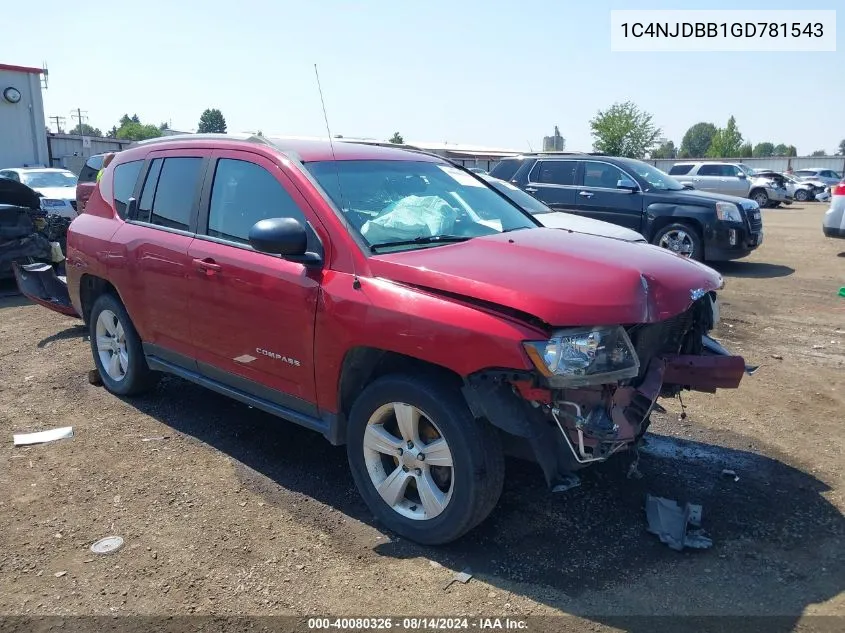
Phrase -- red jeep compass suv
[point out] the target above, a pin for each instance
(391, 301)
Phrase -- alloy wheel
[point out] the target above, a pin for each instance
(679, 242)
(111, 345)
(409, 461)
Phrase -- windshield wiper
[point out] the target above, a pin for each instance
(427, 239)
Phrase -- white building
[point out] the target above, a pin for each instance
(23, 136)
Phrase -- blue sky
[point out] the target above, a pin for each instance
(493, 73)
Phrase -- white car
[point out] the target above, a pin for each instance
(560, 220)
(57, 187)
(834, 219)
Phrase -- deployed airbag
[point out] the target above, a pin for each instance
(409, 218)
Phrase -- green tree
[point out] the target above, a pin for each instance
(624, 130)
(764, 150)
(83, 129)
(819, 152)
(212, 121)
(697, 140)
(726, 142)
(842, 147)
(780, 150)
(791, 150)
(137, 131)
(665, 150)
(397, 139)
(112, 133)
(746, 151)
(164, 126)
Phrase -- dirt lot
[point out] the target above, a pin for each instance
(235, 512)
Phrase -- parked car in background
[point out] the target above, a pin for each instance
(733, 179)
(697, 224)
(57, 187)
(88, 180)
(559, 219)
(350, 290)
(827, 176)
(834, 220)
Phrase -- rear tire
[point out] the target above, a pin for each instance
(760, 197)
(682, 239)
(396, 419)
(116, 346)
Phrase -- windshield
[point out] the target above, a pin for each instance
(657, 180)
(748, 170)
(44, 179)
(404, 204)
(526, 201)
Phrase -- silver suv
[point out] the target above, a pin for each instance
(733, 179)
(827, 176)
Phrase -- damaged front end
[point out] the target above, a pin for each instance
(594, 389)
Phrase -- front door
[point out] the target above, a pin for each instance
(599, 197)
(253, 313)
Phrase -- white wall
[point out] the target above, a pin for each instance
(23, 140)
(775, 163)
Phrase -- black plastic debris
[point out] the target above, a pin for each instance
(677, 527)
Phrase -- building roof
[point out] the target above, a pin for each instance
(23, 69)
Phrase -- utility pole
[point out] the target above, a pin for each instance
(79, 116)
(59, 122)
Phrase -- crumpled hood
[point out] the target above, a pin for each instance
(18, 194)
(570, 222)
(562, 278)
(58, 193)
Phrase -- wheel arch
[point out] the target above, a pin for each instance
(362, 365)
(90, 288)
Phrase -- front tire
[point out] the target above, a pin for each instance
(427, 469)
(682, 239)
(801, 195)
(116, 346)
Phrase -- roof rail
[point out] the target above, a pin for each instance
(250, 138)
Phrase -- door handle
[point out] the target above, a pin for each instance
(531, 189)
(207, 265)
(585, 194)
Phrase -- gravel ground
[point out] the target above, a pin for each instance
(226, 510)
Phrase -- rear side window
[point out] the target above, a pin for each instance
(555, 172)
(169, 192)
(505, 169)
(679, 170)
(91, 167)
(242, 194)
(710, 170)
(125, 177)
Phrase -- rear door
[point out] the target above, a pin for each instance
(709, 178)
(253, 313)
(553, 181)
(161, 223)
(599, 197)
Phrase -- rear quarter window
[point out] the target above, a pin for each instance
(679, 170)
(90, 168)
(125, 177)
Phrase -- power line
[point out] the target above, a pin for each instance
(60, 120)
(80, 115)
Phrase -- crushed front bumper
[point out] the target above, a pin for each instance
(569, 429)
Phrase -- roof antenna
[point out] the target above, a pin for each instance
(356, 283)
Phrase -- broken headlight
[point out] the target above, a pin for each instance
(728, 212)
(585, 356)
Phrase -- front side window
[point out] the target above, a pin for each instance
(169, 192)
(602, 175)
(555, 172)
(242, 194)
(409, 204)
(125, 177)
(657, 180)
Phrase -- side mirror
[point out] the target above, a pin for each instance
(627, 184)
(741, 175)
(688, 186)
(282, 236)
